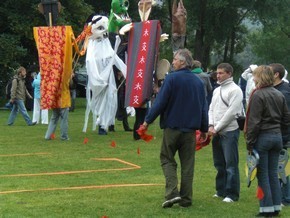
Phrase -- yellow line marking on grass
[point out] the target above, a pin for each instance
(17, 155)
(119, 160)
(134, 167)
(82, 187)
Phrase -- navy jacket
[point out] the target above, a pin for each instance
(285, 89)
(181, 103)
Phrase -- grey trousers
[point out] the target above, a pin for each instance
(62, 114)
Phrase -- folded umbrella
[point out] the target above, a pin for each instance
(283, 160)
(251, 166)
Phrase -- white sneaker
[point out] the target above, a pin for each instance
(228, 200)
(216, 196)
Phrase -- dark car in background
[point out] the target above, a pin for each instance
(82, 80)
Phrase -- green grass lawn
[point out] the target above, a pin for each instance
(57, 178)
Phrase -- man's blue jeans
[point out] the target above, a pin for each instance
(286, 192)
(18, 105)
(269, 146)
(226, 161)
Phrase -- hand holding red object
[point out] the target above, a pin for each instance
(142, 133)
(202, 140)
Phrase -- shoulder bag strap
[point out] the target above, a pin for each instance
(223, 98)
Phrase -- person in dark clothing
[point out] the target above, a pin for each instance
(139, 119)
(267, 115)
(242, 83)
(181, 104)
(73, 91)
(196, 68)
(214, 84)
(284, 88)
(30, 89)
(121, 112)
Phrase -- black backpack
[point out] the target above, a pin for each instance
(8, 88)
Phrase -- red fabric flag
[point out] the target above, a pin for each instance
(199, 142)
(113, 144)
(86, 140)
(138, 150)
(142, 133)
(260, 193)
(52, 136)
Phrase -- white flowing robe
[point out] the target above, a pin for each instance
(101, 87)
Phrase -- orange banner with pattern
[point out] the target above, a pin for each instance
(54, 45)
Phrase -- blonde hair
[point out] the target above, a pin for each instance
(19, 70)
(264, 76)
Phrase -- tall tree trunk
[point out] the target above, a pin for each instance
(226, 50)
(232, 47)
(200, 33)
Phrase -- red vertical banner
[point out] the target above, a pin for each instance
(142, 53)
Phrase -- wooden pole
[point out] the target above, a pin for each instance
(50, 19)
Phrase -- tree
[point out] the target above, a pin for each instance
(272, 42)
(216, 31)
(17, 19)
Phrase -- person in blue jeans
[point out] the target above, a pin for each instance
(267, 114)
(18, 96)
(225, 105)
(284, 88)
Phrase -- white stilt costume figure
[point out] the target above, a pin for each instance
(101, 87)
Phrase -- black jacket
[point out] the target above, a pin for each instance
(284, 88)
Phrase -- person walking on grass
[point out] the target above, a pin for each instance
(181, 104)
(226, 104)
(18, 96)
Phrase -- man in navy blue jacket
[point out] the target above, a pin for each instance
(181, 104)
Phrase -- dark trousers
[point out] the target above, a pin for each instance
(226, 162)
(139, 120)
(123, 116)
(184, 143)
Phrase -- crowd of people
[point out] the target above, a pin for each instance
(188, 100)
(267, 127)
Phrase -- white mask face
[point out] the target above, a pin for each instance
(144, 8)
(99, 27)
